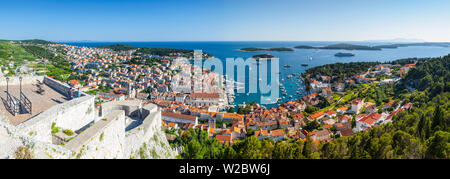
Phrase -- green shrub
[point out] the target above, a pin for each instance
(68, 132)
(101, 136)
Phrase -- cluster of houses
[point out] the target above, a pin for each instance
(289, 120)
(105, 69)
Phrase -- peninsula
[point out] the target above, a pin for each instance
(145, 51)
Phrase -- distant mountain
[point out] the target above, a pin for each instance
(398, 40)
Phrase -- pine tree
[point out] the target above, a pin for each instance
(307, 148)
(421, 127)
(438, 117)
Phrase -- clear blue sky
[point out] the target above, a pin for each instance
(225, 20)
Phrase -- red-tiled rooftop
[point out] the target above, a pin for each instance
(204, 95)
(317, 114)
(177, 115)
(277, 132)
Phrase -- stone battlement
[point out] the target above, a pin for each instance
(121, 129)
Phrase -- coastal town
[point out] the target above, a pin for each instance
(116, 76)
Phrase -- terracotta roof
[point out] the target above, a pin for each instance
(204, 95)
(389, 104)
(347, 132)
(277, 132)
(171, 124)
(233, 116)
(317, 114)
(179, 116)
(344, 117)
(261, 132)
(74, 82)
(298, 116)
(331, 112)
(323, 132)
(266, 123)
(224, 139)
(226, 131)
(371, 118)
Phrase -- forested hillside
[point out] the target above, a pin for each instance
(39, 51)
(431, 76)
(341, 70)
(119, 47)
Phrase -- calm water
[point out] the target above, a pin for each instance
(223, 50)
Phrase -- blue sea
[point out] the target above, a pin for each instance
(223, 50)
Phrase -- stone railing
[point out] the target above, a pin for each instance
(60, 87)
(25, 80)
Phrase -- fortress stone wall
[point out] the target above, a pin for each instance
(102, 140)
(73, 115)
(145, 140)
(97, 136)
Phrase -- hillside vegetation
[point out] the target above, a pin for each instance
(10, 52)
(151, 51)
(340, 70)
(119, 47)
(58, 67)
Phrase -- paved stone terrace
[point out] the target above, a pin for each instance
(39, 102)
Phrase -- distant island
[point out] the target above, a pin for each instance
(340, 47)
(340, 54)
(268, 56)
(254, 49)
(344, 46)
